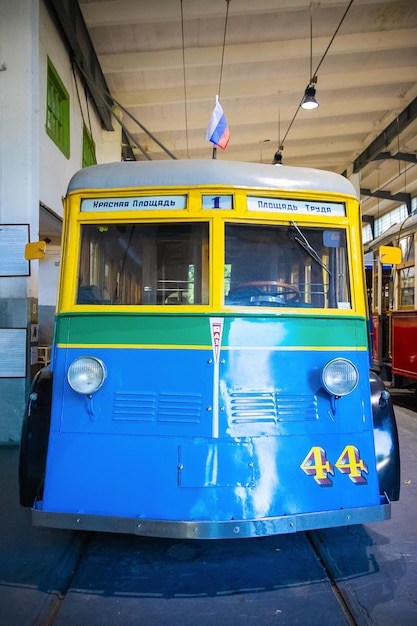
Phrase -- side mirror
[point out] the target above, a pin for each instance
(35, 250)
(389, 255)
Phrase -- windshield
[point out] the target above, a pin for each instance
(143, 264)
(168, 264)
(286, 266)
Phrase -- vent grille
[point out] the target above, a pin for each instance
(272, 407)
(148, 407)
(179, 408)
(296, 408)
(252, 407)
(134, 406)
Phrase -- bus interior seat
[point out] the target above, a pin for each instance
(89, 294)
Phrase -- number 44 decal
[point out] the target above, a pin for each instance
(349, 462)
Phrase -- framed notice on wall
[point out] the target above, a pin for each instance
(13, 352)
(13, 239)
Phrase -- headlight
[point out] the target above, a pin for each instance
(86, 374)
(339, 377)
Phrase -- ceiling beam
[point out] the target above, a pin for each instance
(391, 132)
(387, 195)
(263, 51)
(249, 85)
(126, 12)
(369, 219)
(399, 156)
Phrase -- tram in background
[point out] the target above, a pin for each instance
(210, 373)
(393, 303)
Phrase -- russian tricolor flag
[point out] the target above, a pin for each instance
(218, 130)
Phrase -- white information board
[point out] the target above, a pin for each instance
(13, 239)
(13, 352)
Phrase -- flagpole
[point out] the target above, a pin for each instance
(214, 153)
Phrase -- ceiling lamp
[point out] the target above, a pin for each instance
(309, 100)
(277, 158)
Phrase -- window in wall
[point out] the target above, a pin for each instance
(57, 111)
(407, 248)
(366, 233)
(396, 216)
(89, 148)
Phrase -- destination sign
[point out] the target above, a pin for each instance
(134, 203)
(296, 207)
(217, 202)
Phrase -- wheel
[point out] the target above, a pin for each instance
(386, 439)
(34, 438)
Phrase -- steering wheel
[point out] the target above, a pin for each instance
(267, 291)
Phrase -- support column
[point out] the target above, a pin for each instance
(19, 207)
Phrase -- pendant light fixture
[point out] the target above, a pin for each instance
(277, 158)
(309, 101)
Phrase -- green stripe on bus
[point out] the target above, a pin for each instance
(123, 328)
(194, 330)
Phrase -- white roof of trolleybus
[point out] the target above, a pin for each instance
(179, 173)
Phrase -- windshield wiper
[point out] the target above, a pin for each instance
(304, 243)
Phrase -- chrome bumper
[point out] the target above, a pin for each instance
(230, 529)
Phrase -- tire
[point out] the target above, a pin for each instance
(34, 439)
(385, 432)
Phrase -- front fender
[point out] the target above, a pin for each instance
(387, 450)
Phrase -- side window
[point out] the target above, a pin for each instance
(57, 111)
(406, 283)
(139, 264)
(406, 273)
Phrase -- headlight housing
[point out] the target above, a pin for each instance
(339, 377)
(86, 375)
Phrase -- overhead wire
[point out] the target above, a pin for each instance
(332, 39)
(184, 79)
(223, 48)
(313, 76)
(145, 130)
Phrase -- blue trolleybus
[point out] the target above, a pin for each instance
(210, 372)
